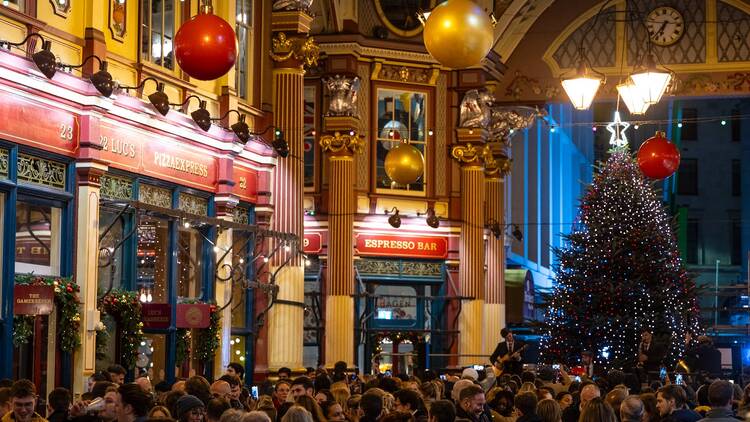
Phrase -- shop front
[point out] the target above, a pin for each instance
(132, 215)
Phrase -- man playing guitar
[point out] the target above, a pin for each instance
(508, 355)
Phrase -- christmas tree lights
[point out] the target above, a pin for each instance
(619, 272)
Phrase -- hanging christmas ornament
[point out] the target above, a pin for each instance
(617, 128)
(404, 164)
(205, 46)
(458, 33)
(658, 158)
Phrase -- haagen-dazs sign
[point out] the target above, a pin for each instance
(402, 246)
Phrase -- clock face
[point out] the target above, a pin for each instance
(665, 25)
(400, 16)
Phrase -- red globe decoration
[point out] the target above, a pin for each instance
(658, 158)
(205, 46)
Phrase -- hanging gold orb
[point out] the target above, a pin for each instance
(458, 33)
(404, 164)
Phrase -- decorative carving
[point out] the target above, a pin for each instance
(373, 266)
(520, 82)
(496, 166)
(4, 163)
(118, 18)
(61, 7)
(504, 119)
(301, 48)
(467, 154)
(422, 269)
(405, 268)
(40, 171)
(475, 108)
(292, 5)
(362, 160)
(116, 187)
(441, 92)
(155, 196)
(240, 215)
(342, 144)
(342, 92)
(192, 204)
(420, 76)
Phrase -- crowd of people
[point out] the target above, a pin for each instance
(338, 395)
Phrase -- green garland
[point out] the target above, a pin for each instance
(209, 339)
(68, 309)
(182, 347)
(125, 309)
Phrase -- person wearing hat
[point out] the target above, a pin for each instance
(190, 409)
(508, 355)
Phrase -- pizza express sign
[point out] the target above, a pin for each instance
(402, 246)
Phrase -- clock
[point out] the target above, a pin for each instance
(400, 16)
(665, 25)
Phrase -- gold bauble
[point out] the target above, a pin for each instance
(404, 164)
(458, 33)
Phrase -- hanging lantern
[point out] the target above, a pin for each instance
(658, 158)
(582, 88)
(205, 46)
(458, 33)
(404, 164)
(650, 81)
(632, 98)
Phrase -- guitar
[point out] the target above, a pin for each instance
(498, 365)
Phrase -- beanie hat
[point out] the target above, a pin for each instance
(470, 373)
(187, 402)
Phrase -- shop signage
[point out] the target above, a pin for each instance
(156, 315)
(33, 300)
(193, 315)
(312, 243)
(245, 183)
(402, 246)
(27, 122)
(161, 157)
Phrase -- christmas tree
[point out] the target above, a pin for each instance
(620, 272)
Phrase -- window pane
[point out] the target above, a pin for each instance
(37, 239)
(689, 125)
(401, 117)
(244, 34)
(110, 259)
(687, 177)
(157, 31)
(693, 234)
(239, 293)
(189, 263)
(736, 178)
(310, 131)
(152, 262)
(736, 126)
(168, 32)
(152, 356)
(145, 30)
(736, 237)
(396, 306)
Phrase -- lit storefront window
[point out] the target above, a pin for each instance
(401, 117)
(151, 259)
(37, 239)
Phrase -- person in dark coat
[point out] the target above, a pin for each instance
(58, 402)
(671, 402)
(472, 405)
(704, 357)
(511, 349)
(650, 356)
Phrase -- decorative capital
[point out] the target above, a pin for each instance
(346, 144)
(468, 154)
(298, 48)
(496, 168)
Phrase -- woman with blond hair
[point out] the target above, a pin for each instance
(549, 410)
(297, 414)
(597, 410)
(309, 404)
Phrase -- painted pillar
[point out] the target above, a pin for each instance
(291, 50)
(89, 169)
(223, 291)
(494, 312)
(340, 147)
(469, 153)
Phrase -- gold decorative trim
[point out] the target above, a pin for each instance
(405, 74)
(382, 53)
(40, 171)
(61, 7)
(342, 144)
(4, 167)
(301, 48)
(467, 154)
(192, 204)
(116, 187)
(155, 196)
(240, 215)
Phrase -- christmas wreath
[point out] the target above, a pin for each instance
(209, 339)
(125, 308)
(68, 309)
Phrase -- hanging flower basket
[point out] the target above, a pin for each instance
(67, 305)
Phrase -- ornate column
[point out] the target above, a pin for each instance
(291, 49)
(340, 148)
(469, 153)
(496, 167)
(89, 169)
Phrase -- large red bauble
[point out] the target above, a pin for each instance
(658, 158)
(205, 47)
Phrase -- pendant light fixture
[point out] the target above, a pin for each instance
(632, 97)
(582, 87)
(651, 82)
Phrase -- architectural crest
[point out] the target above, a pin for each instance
(300, 48)
(342, 93)
(339, 143)
(475, 109)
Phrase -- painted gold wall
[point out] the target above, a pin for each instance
(128, 47)
(72, 24)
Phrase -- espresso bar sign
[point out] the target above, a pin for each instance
(33, 300)
(402, 246)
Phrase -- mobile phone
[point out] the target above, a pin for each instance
(354, 377)
(556, 366)
(577, 378)
(732, 381)
(678, 379)
(388, 373)
(254, 392)
(663, 373)
(479, 367)
(443, 377)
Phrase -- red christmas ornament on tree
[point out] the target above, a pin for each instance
(205, 46)
(658, 158)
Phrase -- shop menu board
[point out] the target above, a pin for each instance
(140, 152)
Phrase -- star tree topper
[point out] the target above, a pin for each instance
(617, 129)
